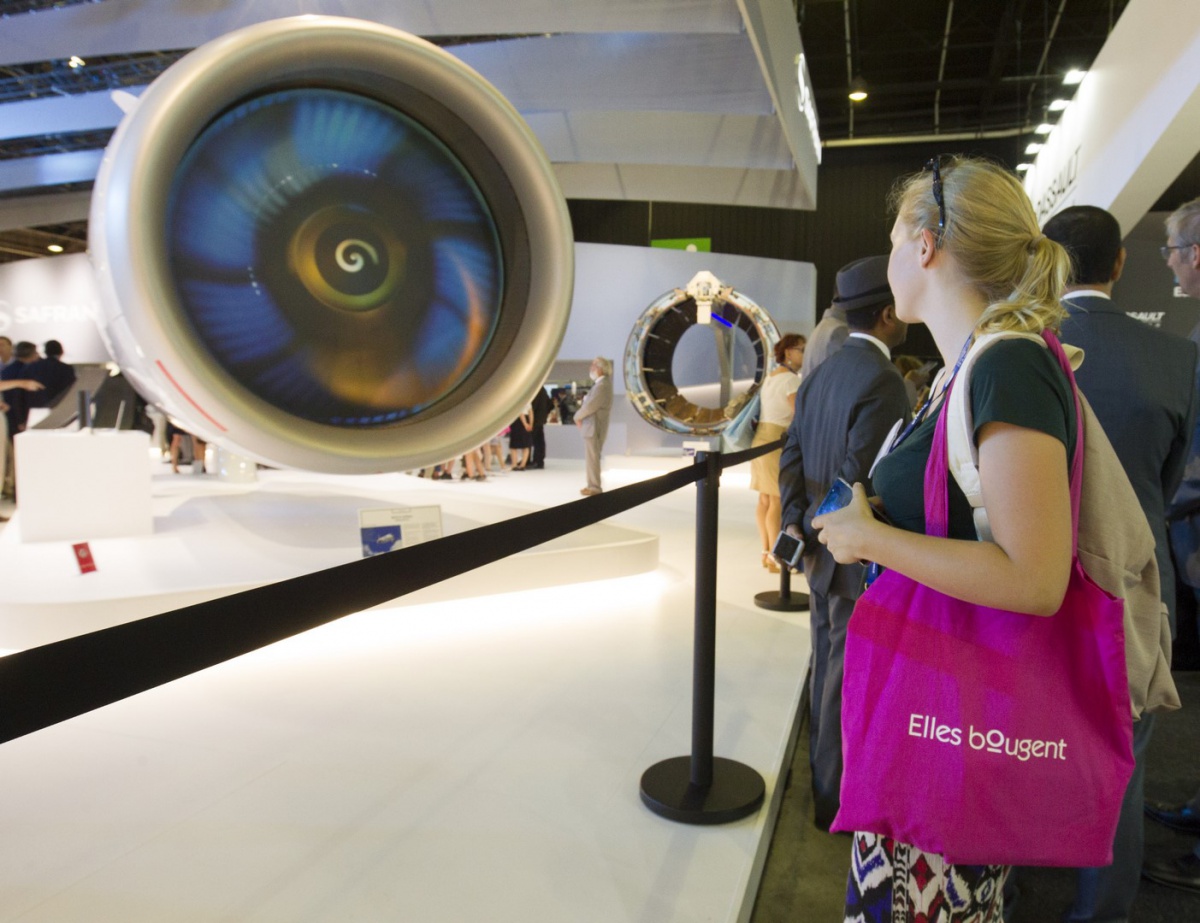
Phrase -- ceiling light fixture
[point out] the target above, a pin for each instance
(1073, 77)
(1023, 167)
(55, 248)
(1033, 147)
(1044, 129)
(1058, 105)
(858, 89)
(76, 61)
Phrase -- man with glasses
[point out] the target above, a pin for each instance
(1182, 253)
(1182, 250)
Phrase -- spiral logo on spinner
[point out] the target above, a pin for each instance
(347, 258)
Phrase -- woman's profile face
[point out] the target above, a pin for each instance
(904, 271)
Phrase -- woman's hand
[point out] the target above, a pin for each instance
(847, 532)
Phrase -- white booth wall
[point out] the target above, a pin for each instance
(57, 298)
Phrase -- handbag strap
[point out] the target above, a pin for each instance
(937, 491)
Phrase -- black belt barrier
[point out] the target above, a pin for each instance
(56, 681)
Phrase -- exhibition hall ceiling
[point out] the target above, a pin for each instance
(673, 100)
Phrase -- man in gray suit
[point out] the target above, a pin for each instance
(592, 420)
(1141, 382)
(1182, 253)
(826, 338)
(844, 412)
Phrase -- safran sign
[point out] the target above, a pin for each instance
(53, 298)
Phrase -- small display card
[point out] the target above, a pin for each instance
(83, 555)
(388, 529)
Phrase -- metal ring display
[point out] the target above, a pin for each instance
(649, 380)
(331, 245)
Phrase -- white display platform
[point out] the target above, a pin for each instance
(212, 538)
(81, 486)
(458, 759)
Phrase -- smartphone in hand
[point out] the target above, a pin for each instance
(840, 494)
(788, 550)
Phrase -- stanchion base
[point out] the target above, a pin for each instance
(736, 791)
(777, 602)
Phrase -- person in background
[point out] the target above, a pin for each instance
(592, 420)
(14, 405)
(1182, 253)
(916, 378)
(826, 338)
(25, 354)
(777, 399)
(493, 451)
(520, 439)
(54, 374)
(968, 258)
(473, 465)
(541, 405)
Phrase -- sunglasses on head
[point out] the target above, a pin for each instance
(935, 164)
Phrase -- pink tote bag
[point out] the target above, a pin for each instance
(986, 736)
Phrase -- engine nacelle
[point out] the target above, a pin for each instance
(330, 245)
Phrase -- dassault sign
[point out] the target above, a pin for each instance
(1134, 123)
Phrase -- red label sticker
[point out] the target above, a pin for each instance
(83, 554)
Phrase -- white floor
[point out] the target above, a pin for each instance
(469, 755)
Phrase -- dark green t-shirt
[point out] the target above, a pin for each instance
(1014, 381)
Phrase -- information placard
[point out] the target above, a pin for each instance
(386, 530)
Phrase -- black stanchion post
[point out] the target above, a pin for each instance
(704, 648)
(701, 788)
(783, 599)
(85, 410)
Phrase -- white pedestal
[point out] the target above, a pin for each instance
(237, 469)
(79, 486)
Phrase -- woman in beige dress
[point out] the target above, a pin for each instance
(778, 398)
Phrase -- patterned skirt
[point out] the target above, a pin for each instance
(892, 882)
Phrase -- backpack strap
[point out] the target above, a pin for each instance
(962, 452)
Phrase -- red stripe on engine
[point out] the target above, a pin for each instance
(187, 397)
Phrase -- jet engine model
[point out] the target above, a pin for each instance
(650, 377)
(330, 245)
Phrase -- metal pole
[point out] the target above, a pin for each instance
(704, 651)
(702, 788)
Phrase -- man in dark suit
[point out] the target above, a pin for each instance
(1182, 253)
(24, 356)
(844, 412)
(54, 374)
(1141, 382)
(542, 405)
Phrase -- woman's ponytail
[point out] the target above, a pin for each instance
(993, 234)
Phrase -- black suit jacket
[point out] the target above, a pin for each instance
(17, 400)
(1142, 384)
(57, 377)
(844, 411)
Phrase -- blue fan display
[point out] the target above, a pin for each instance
(334, 257)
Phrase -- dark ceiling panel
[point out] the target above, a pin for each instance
(991, 74)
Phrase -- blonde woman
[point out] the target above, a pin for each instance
(777, 397)
(967, 258)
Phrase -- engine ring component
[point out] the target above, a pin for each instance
(328, 244)
(649, 380)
